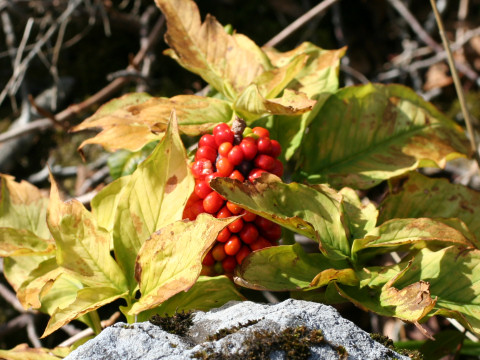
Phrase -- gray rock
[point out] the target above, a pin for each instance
(146, 341)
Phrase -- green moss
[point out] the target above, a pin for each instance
(225, 332)
(388, 343)
(295, 342)
(177, 324)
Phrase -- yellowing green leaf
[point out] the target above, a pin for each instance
(24, 352)
(83, 248)
(15, 242)
(365, 134)
(419, 232)
(23, 206)
(87, 299)
(17, 268)
(313, 211)
(151, 198)
(206, 294)
(229, 63)
(420, 196)
(170, 261)
(131, 125)
(359, 217)
(288, 268)
(251, 105)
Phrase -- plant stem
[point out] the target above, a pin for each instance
(456, 81)
(95, 319)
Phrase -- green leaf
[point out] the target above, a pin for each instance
(365, 134)
(154, 196)
(251, 105)
(361, 218)
(313, 211)
(132, 126)
(83, 248)
(288, 268)
(17, 268)
(17, 242)
(124, 162)
(229, 63)
(170, 261)
(450, 273)
(420, 196)
(23, 206)
(23, 352)
(87, 299)
(419, 232)
(206, 294)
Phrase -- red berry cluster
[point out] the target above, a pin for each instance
(237, 156)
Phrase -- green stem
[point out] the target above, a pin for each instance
(95, 319)
(456, 81)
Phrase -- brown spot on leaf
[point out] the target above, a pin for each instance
(171, 184)
(134, 110)
(137, 223)
(138, 272)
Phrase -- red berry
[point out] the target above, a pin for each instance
(218, 252)
(206, 152)
(255, 174)
(232, 245)
(208, 271)
(225, 148)
(264, 145)
(249, 233)
(277, 168)
(237, 175)
(224, 167)
(208, 260)
(224, 235)
(236, 226)
(276, 148)
(207, 140)
(224, 136)
(202, 189)
(242, 253)
(220, 127)
(248, 216)
(261, 243)
(234, 208)
(212, 202)
(261, 132)
(193, 210)
(202, 168)
(263, 224)
(249, 148)
(235, 156)
(274, 233)
(229, 264)
(223, 213)
(265, 162)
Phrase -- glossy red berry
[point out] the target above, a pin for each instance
(236, 226)
(223, 136)
(255, 174)
(223, 213)
(274, 233)
(218, 252)
(261, 132)
(229, 264)
(234, 208)
(224, 167)
(263, 224)
(242, 253)
(206, 152)
(276, 148)
(237, 175)
(232, 245)
(224, 235)
(249, 148)
(220, 127)
(207, 140)
(208, 260)
(202, 189)
(264, 146)
(261, 243)
(235, 155)
(249, 233)
(202, 168)
(212, 203)
(277, 168)
(224, 149)
(248, 216)
(265, 162)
